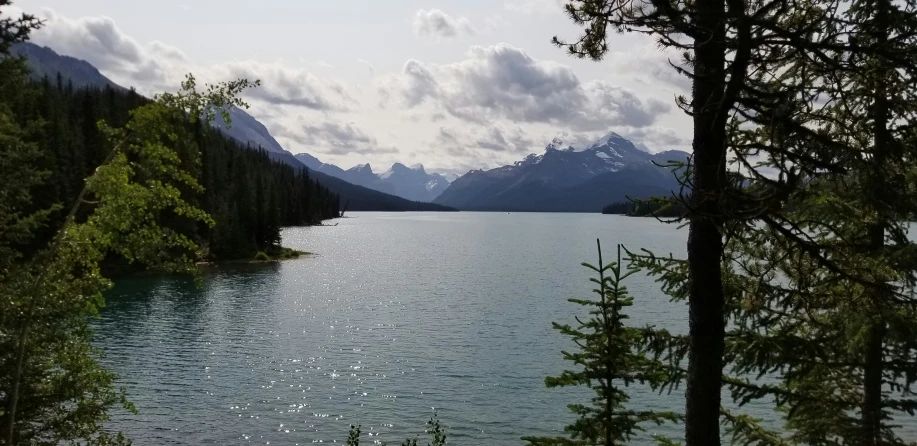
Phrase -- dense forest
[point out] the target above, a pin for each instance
(248, 195)
(645, 208)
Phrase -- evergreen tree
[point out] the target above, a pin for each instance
(611, 356)
(63, 125)
(21, 174)
(725, 43)
(14, 30)
(834, 314)
(52, 389)
(820, 95)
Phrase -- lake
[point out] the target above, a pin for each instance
(396, 316)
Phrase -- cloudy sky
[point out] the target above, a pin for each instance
(455, 85)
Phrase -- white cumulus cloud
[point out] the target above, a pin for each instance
(504, 82)
(157, 66)
(332, 136)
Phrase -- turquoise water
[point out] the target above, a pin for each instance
(395, 317)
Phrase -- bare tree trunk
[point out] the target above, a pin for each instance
(705, 242)
(14, 391)
(872, 385)
(873, 358)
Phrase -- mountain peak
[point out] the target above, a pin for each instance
(397, 168)
(414, 183)
(566, 177)
(611, 138)
(531, 158)
(612, 135)
(618, 146)
(560, 143)
(361, 168)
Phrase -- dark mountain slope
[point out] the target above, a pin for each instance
(566, 179)
(365, 199)
(44, 62)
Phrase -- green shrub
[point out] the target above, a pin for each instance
(262, 256)
(433, 428)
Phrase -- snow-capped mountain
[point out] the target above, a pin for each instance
(413, 183)
(566, 177)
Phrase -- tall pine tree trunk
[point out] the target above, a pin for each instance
(705, 242)
(873, 358)
(872, 383)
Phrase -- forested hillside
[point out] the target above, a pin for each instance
(646, 208)
(249, 196)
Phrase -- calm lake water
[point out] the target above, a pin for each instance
(397, 315)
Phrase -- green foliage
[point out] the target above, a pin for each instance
(52, 388)
(249, 196)
(434, 429)
(659, 208)
(15, 29)
(807, 316)
(141, 179)
(20, 175)
(824, 289)
(353, 438)
(279, 252)
(611, 357)
(262, 256)
(798, 243)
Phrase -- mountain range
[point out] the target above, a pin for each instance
(45, 62)
(413, 183)
(567, 178)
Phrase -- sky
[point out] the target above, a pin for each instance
(455, 85)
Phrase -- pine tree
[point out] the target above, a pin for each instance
(835, 315)
(727, 45)
(64, 126)
(611, 356)
(52, 389)
(14, 30)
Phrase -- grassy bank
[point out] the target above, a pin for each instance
(271, 255)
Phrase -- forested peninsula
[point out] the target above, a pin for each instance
(248, 195)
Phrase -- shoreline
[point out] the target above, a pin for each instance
(260, 257)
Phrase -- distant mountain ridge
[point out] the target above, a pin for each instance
(412, 183)
(44, 61)
(567, 178)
